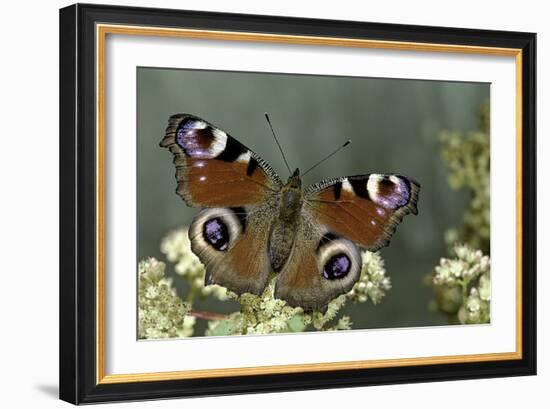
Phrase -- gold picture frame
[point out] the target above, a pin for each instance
(107, 21)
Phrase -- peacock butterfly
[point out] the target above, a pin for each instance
(252, 224)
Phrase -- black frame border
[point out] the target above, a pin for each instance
(78, 197)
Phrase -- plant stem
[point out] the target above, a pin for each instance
(207, 315)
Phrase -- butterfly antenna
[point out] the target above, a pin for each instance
(276, 140)
(328, 156)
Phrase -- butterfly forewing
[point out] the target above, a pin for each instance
(365, 208)
(213, 169)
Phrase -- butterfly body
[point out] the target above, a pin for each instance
(283, 231)
(252, 224)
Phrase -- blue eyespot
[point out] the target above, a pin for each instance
(216, 234)
(337, 267)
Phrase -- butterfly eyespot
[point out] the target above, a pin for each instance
(217, 229)
(339, 260)
(337, 267)
(199, 140)
(215, 232)
(389, 192)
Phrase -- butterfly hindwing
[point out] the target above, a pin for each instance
(232, 245)
(321, 267)
(365, 208)
(213, 169)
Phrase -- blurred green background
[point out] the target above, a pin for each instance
(394, 125)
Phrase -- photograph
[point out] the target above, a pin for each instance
(275, 203)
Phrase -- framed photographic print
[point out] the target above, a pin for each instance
(257, 203)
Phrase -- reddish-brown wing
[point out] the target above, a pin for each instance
(366, 208)
(232, 245)
(321, 267)
(212, 168)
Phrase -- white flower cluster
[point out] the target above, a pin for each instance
(468, 158)
(468, 274)
(373, 282)
(265, 314)
(161, 312)
(468, 265)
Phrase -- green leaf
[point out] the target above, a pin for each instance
(296, 324)
(224, 327)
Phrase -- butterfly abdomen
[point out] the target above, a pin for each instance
(281, 242)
